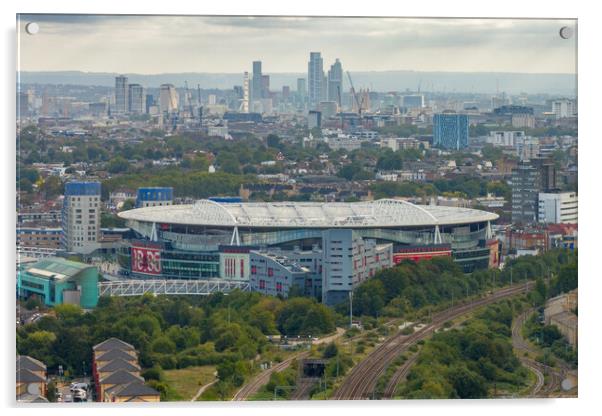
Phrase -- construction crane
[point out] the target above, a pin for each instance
(357, 101)
(340, 107)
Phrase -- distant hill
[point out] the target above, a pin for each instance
(472, 82)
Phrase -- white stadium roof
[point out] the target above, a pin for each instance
(380, 213)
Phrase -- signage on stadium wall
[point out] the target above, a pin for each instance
(146, 260)
(421, 253)
(494, 253)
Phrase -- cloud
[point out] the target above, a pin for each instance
(155, 44)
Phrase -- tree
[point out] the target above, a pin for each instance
(273, 141)
(330, 351)
(52, 187)
(118, 165)
(466, 383)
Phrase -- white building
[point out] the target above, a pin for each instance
(81, 217)
(558, 208)
(168, 98)
(564, 108)
(505, 138)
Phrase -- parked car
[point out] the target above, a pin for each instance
(78, 386)
(80, 395)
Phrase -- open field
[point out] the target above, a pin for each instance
(187, 381)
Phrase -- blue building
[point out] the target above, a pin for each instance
(450, 131)
(154, 196)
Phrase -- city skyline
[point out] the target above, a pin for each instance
(362, 44)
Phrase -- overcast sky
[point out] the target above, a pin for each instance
(168, 44)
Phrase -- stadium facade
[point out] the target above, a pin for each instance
(325, 249)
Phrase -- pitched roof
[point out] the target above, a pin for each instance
(134, 389)
(113, 343)
(29, 363)
(119, 364)
(121, 377)
(27, 376)
(31, 398)
(115, 354)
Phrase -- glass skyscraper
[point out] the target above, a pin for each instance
(450, 131)
(315, 77)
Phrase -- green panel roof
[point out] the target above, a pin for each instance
(60, 266)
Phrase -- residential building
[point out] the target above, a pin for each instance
(121, 95)
(564, 108)
(30, 380)
(39, 237)
(335, 82)
(450, 131)
(81, 217)
(136, 99)
(529, 178)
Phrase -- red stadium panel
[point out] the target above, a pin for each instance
(146, 260)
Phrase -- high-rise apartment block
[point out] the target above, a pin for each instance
(136, 99)
(121, 95)
(81, 217)
(335, 82)
(450, 131)
(256, 86)
(315, 76)
(168, 98)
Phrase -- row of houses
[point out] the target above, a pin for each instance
(31, 380)
(116, 374)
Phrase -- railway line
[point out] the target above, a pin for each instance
(398, 376)
(543, 387)
(263, 378)
(362, 380)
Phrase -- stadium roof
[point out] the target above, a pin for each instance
(380, 213)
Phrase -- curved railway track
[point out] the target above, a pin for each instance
(263, 378)
(361, 381)
(399, 375)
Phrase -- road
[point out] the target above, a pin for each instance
(361, 381)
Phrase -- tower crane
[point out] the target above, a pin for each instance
(357, 101)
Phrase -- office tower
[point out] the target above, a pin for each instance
(315, 76)
(529, 179)
(136, 99)
(212, 99)
(245, 93)
(256, 89)
(335, 82)
(286, 92)
(301, 87)
(265, 86)
(168, 98)
(121, 95)
(450, 131)
(81, 217)
(557, 208)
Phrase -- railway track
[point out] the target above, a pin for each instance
(361, 381)
(542, 387)
(398, 376)
(304, 386)
(263, 378)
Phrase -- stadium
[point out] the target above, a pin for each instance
(219, 238)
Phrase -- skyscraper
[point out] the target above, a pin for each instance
(450, 130)
(168, 98)
(81, 217)
(121, 95)
(301, 87)
(256, 88)
(265, 86)
(315, 76)
(136, 99)
(335, 82)
(245, 93)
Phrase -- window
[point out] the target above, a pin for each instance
(253, 269)
(262, 284)
(279, 286)
(270, 272)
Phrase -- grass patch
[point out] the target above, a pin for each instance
(186, 381)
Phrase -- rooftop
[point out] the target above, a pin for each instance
(380, 213)
(56, 268)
